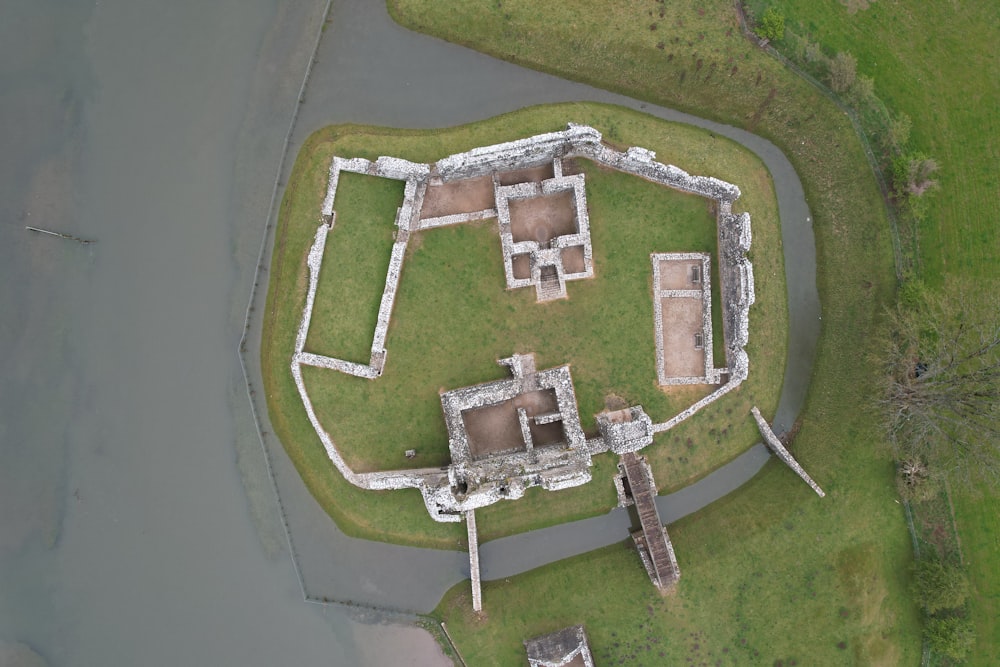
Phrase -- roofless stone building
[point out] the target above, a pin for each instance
(508, 435)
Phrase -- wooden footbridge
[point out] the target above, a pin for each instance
(654, 545)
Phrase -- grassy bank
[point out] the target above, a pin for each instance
(937, 64)
(454, 318)
(768, 574)
(769, 568)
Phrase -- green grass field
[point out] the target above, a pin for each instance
(937, 63)
(818, 582)
(768, 574)
(454, 318)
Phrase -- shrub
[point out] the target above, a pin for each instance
(951, 636)
(862, 92)
(843, 72)
(939, 586)
(771, 25)
(814, 53)
(899, 130)
(911, 175)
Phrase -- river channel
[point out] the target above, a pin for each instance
(138, 522)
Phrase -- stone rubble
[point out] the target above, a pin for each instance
(563, 648)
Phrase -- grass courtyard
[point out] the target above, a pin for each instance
(454, 318)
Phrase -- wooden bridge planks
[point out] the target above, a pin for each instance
(644, 495)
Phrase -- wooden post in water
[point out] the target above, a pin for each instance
(58, 234)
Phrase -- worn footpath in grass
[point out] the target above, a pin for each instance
(743, 579)
(454, 318)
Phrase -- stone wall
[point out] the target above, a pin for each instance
(552, 468)
(512, 155)
(774, 444)
(504, 194)
(711, 374)
(563, 648)
(477, 587)
(735, 270)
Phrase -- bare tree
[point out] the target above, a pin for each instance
(918, 175)
(843, 71)
(940, 397)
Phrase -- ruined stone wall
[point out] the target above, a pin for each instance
(711, 374)
(504, 194)
(385, 167)
(313, 262)
(774, 444)
(642, 163)
(477, 587)
(513, 155)
(392, 479)
(695, 407)
(736, 275)
(735, 270)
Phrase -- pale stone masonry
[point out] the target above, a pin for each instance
(523, 431)
(547, 268)
(547, 253)
(626, 430)
(551, 467)
(684, 276)
(774, 444)
(480, 480)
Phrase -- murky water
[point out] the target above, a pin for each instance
(126, 537)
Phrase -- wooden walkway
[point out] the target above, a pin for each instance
(662, 564)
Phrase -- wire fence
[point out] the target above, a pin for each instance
(903, 260)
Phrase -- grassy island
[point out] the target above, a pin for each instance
(453, 318)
